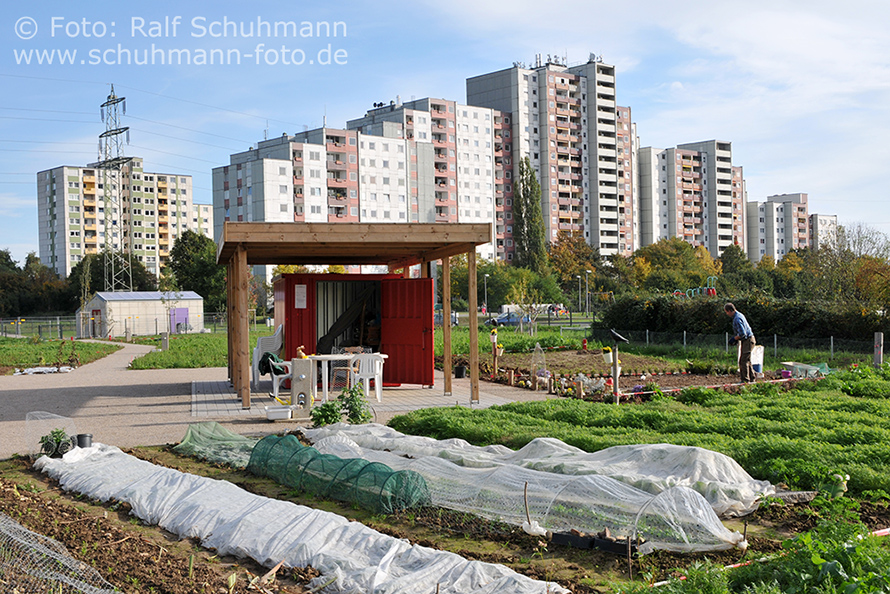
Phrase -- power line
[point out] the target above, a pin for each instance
(140, 130)
(145, 148)
(46, 110)
(251, 115)
(184, 128)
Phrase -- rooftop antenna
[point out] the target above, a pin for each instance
(118, 269)
(266, 131)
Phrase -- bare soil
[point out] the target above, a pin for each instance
(139, 558)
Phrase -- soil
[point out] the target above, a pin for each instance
(139, 558)
(635, 369)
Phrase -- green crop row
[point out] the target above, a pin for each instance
(800, 436)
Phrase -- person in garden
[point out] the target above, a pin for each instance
(743, 335)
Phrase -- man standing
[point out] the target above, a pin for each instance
(745, 337)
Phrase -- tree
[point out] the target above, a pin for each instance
(528, 222)
(706, 263)
(88, 276)
(193, 263)
(290, 269)
(733, 259)
(766, 263)
(570, 255)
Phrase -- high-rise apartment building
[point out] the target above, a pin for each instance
(823, 230)
(778, 226)
(692, 192)
(565, 120)
(429, 160)
(142, 211)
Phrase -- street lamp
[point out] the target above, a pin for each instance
(485, 282)
(587, 291)
(579, 293)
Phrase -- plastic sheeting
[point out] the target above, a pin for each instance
(677, 519)
(653, 468)
(212, 442)
(234, 522)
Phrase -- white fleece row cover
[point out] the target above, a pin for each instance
(677, 519)
(234, 522)
(653, 468)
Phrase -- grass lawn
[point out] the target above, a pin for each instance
(191, 350)
(23, 352)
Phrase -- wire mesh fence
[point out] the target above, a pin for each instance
(31, 562)
(772, 343)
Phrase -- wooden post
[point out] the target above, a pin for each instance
(230, 317)
(879, 349)
(474, 327)
(447, 361)
(242, 326)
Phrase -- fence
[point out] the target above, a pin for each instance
(53, 327)
(691, 340)
(43, 327)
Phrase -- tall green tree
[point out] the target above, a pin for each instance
(734, 259)
(528, 221)
(88, 277)
(193, 264)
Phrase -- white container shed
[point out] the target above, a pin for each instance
(109, 314)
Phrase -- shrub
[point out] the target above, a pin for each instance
(869, 388)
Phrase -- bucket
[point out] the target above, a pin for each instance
(758, 368)
(84, 440)
(460, 371)
(786, 374)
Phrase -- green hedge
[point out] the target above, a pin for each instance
(767, 315)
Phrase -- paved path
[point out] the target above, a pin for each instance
(129, 408)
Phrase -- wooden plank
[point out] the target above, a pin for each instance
(447, 362)
(474, 327)
(230, 309)
(242, 341)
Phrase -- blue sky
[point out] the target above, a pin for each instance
(801, 89)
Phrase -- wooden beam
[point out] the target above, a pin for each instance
(242, 327)
(447, 362)
(230, 319)
(474, 328)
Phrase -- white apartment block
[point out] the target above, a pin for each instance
(75, 218)
(565, 120)
(692, 192)
(823, 230)
(777, 226)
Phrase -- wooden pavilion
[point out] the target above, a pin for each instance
(397, 245)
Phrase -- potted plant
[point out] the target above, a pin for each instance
(607, 355)
(55, 443)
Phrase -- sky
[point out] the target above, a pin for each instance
(800, 88)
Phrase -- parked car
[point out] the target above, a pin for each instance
(438, 317)
(511, 318)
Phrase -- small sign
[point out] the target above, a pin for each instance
(300, 296)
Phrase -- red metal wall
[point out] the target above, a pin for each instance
(406, 321)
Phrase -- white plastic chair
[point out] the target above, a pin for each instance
(265, 344)
(278, 379)
(366, 367)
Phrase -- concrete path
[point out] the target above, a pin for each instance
(130, 408)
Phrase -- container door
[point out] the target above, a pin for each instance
(406, 332)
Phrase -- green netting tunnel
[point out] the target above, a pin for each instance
(372, 485)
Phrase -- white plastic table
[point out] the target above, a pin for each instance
(325, 361)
